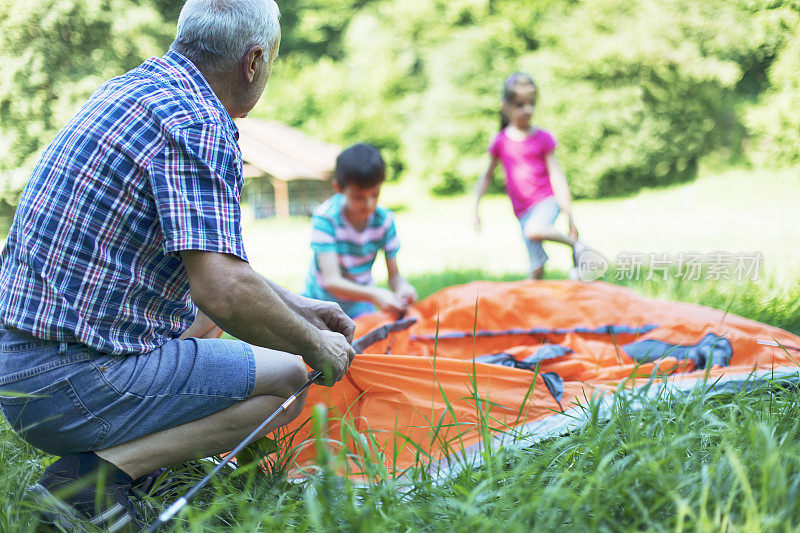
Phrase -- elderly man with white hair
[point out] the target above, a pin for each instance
(124, 263)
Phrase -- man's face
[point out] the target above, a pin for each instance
(254, 89)
(267, 71)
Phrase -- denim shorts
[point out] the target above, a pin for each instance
(543, 214)
(66, 398)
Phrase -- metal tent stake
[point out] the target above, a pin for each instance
(173, 509)
(359, 346)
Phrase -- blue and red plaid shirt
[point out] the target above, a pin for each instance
(149, 166)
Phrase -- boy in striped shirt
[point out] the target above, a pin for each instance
(347, 231)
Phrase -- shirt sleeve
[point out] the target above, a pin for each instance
(548, 142)
(494, 147)
(197, 183)
(323, 234)
(391, 244)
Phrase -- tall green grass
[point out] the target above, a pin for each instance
(727, 462)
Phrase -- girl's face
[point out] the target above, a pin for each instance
(520, 109)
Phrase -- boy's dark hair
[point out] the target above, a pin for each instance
(360, 165)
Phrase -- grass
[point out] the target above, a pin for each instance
(734, 211)
(730, 462)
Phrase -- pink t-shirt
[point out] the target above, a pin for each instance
(527, 178)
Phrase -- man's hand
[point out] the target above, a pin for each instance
(333, 357)
(320, 314)
(327, 315)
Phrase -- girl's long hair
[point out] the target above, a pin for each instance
(510, 86)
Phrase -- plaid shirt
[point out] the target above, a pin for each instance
(149, 166)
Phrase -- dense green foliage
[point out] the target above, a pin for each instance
(636, 91)
(775, 122)
(56, 52)
(724, 462)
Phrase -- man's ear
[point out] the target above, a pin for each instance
(336, 187)
(251, 59)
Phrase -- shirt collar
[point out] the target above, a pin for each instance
(190, 73)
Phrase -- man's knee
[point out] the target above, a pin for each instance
(278, 373)
(296, 377)
(294, 410)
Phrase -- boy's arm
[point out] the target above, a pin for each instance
(341, 287)
(402, 289)
(481, 187)
(561, 191)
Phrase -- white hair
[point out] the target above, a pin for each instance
(215, 34)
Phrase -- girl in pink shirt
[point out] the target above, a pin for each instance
(534, 181)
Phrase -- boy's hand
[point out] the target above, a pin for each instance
(477, 222)
(333, 356)
(386, 300)
(406, 294)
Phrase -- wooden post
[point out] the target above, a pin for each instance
(281, 197)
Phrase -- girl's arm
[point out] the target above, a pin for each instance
(402, 289)
(481, 187)
(341, 287)
(561, 191)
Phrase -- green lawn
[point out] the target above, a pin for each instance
(738, 211)
(726, 463)
(730, 462)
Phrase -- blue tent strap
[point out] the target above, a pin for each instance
(713, 349)
(554, 382)
(545, 351)
(611, 329)
(555, 385)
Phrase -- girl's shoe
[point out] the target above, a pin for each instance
(577, 249)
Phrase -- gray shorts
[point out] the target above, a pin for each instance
(66, 398)
(543, 213)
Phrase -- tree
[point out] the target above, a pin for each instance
(54, 53)
(775, 119)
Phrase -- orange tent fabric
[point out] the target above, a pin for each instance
(420, 395)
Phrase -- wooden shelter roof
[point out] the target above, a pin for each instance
(270, 147)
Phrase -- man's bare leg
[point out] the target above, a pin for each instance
(278, 376)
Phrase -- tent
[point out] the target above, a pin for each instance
(523, 359)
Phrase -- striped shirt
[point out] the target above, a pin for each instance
(356, 250)
(149, 166)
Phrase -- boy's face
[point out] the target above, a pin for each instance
(360, 202)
